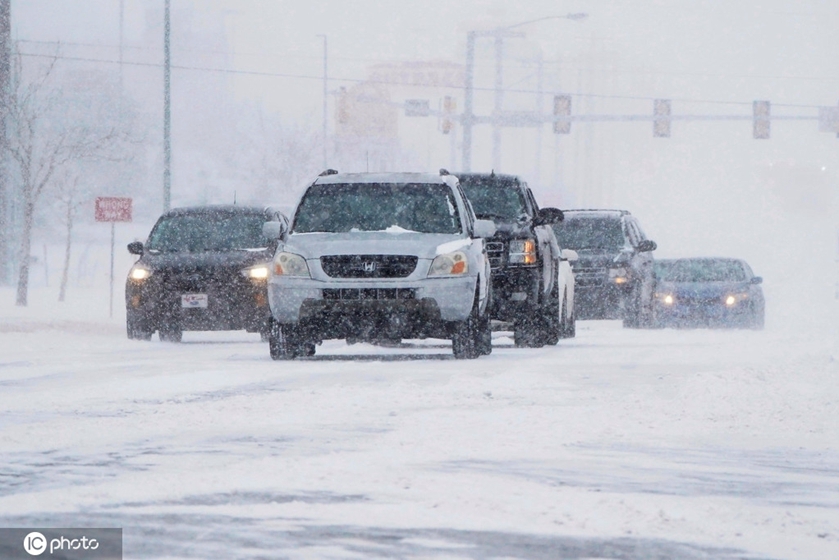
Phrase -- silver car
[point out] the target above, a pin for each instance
(381, 257)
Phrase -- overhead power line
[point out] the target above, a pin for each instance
(396, 83)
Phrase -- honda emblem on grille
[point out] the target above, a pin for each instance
(368, 266)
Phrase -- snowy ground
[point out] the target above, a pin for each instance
(617, 444)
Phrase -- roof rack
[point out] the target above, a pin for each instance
(444, 171)
(328, 172)
(622, 212)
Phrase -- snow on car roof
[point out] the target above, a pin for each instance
(597, 212)
(400, 177)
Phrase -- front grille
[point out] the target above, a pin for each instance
(368, 294)
(497, 253)
(368, 266)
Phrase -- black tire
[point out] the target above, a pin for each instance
(170, 333)
(758, 319)
(529, 333)
(284, 343)
(484, 335)
(569, 324)
(554, 318)
(137, 330)
(281, 342)
(468, 338)
(637, 315)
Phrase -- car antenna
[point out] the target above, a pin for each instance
(492, 174)
(234, 198)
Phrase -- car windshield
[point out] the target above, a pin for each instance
(704, 270)
(493, 198)
(195, 233)
(395, 207)
(581, 233)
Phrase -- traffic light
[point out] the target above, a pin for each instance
(562, 108)
(449, 109)
(661, 118)
(760, 119)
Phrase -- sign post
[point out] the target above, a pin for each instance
(113, 210)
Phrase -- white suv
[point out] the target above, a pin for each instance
(381, 256)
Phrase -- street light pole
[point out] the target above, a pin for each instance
(468, 118)
(468, 100)
(167, 111)
(325, 94)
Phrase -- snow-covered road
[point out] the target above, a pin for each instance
(617, 444)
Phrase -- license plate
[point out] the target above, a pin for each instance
(194, 300)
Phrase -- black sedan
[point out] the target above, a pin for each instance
(202, 268)
(712, 292)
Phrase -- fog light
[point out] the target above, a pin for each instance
(730, 300)
(668, 299)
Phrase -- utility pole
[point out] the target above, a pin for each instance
(499, 102)
(167, 111)
(468, 102)
(121, 39)
(5, 92)
(325, 94)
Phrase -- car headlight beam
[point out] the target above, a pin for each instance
(257, 272)
(139, 273)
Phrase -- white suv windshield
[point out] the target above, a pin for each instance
(346, 207)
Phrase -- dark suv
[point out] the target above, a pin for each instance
(532, 280)
(203, 268)
(614, 274)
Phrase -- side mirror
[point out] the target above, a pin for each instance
(569, 255)
(273, 230)
(135, 248)
(756, 280)
(548, 217)
(646, 246)
(484, 228)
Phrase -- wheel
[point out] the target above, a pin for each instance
(758, 319)
(568, 329)
(170, 333)
(554, 318)
(137, 330)
(528, 333)
(636, 314)
(469, 337)
(284, 343)
(484, 335)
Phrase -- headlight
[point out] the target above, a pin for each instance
(618, 275)
(449, 264)
(289, 264)
(523, 251)
(139, 273)
(257, 272)
(733, 299)
(665, 298)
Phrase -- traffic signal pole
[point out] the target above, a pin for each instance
(5, 92)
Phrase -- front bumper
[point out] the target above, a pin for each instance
(243, 305)
(295, 299)
(713, 313)
(596, 296)
(515, 292)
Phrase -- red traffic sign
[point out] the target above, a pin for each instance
(113, 209)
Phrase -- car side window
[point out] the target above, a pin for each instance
(469, 218)
(641, 235)
(632, 233)
(533, 203)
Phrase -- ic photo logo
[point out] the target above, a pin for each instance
(35, 543)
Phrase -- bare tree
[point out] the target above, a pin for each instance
(48, 129)
(69, 200)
